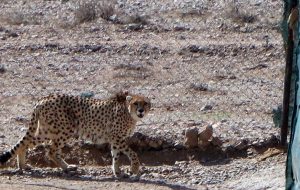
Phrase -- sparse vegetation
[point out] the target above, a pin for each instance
(236, 14)
(107, 9)
(91, 10)
(19, 17)
(85, 12)
(137, 19)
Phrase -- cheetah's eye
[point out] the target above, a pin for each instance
(135, 103)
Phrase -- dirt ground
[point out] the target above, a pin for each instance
(201, 63)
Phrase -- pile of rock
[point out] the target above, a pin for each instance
(200, 137)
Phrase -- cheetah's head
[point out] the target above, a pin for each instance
(138, 106)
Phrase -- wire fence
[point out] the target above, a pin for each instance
(199, 61)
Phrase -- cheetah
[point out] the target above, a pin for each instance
(58, 118)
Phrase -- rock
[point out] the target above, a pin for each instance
(134, 27)
(196, 49)
(21, 119)
(205, 136)
(12, 34)
(216, 125)
(194, 123)
(217, 141)
(23, 129)
(251, 151)
(178, 146)
(241, 145)
(179, 27)
(228, 148)
(155, 144)
(199, 86)
(207, 107)
(87, 94)
(194, 181)
(114, 18)
(2, 69)
(191, 138)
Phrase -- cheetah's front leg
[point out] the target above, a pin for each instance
(123, 147)
(135, 163)
(115, 161)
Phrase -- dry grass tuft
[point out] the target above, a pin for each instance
(236, 14)
(105, 9)
(136, 19)
(85, 12)
(89, 11)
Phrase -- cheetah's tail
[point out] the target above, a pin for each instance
(4, 157)
(9, 154)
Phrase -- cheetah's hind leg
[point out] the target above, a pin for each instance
(54, 154)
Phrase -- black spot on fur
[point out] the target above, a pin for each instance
(5, 157)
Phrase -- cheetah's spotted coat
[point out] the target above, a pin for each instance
(58, 118)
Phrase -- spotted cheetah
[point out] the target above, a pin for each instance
(58, 118)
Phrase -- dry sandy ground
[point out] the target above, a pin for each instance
(269, 176)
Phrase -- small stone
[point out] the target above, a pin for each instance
(180, 28)
(23, 129)
(194, 181)
(107, 38)
(134, 27)
(216, 125)
(251, 151)
(241, 145)
(2, 69)
(87, 94)
(244, 29)
(181, 37)
(207, 107)
(196, 49)
(194, 123)
(12, 34)
(21, 119)
(113, 18)
(178, 146)
(199, 87)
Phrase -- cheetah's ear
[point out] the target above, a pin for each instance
(128, 98)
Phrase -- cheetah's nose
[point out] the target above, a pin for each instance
(140, 112)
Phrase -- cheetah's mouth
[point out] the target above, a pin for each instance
(140, 115)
